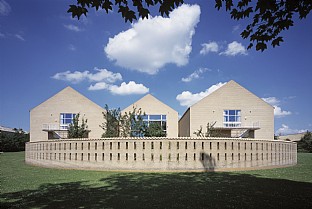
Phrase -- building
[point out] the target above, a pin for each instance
(7, 130)
(50, 119)
(235, 111)
(156, 111)
(292, 137)
(245, 121)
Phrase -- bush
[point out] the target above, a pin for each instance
(305, 144)
(13, 142)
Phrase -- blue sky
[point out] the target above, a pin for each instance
(178, 59)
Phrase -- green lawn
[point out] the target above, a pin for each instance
(24, 186)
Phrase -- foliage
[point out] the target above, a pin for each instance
(13, 142)
(210, 131)
(78, 131)
(111, 124)
(117, 124)
(127, 11)
(137, 125)
(154, 129)
(269, 17)
(305, 144)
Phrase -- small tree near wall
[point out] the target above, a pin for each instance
(78, 131)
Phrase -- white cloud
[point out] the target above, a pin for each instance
(285, 130)
(20, 37)
(209, 47)
(152, 43)
(129, 88)
(98, 86)
(123, 89)
(278, 112)
(234, 49)
(187, 98)
(272, 100)
(77, 76)
(5, 8)
(72, 27)
(2, 35)
(195, 75)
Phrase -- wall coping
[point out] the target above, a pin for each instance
(163, 138)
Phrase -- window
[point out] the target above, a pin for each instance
(66, 119)
(158, 119)
(231, 118)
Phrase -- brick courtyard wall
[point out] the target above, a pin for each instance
(162, 154)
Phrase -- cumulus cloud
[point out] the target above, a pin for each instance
(234, 49)
(152, 43)
(5, 8)
(99, 75)
(278, 112)
(72, 27)
(285, 130)
(209, 47)
(187, 98)
(98, 86)
(195, 75)
(123, 89)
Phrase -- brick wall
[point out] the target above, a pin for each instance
(162, 154)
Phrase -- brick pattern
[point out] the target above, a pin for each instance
(162, 154)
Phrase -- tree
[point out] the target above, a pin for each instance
(78, 131)
(154, 130)
(111, 124)
(210, 131)
(269, 17)
(137, 125)
(13, 142)
(306, 142)
(117, 124)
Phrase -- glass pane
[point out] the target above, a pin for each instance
(232, 112)
(164, 117)
(155, 117)
(238, 118)
(164, 125)
(62, 115)
(238, 112)
(226, 112)
(226, 119)
(68, 115)
(144, 117)
(68, 121)
(232, 118)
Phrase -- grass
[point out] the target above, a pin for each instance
(24, 186)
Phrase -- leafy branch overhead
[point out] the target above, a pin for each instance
(268, 17)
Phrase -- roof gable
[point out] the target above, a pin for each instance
(64, 94)
(151, 100)
(231, 88)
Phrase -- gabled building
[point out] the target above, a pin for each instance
(157, 112)
(235, 111)
(50, 119)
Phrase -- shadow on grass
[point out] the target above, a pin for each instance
(167, 190)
